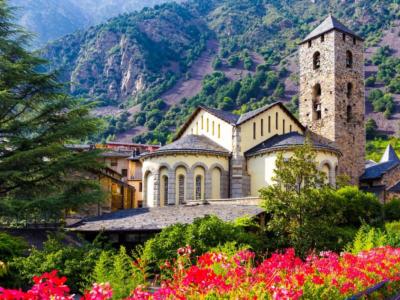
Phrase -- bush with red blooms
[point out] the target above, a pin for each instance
(217, 275)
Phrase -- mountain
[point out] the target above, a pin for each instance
(150, 69)
(52, 19)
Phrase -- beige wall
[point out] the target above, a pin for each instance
(246, 129)
(122, 163)
(222, 136)
(261, 168)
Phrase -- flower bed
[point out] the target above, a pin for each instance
(282, 276)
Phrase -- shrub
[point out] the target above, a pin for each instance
(76, 263)
(119, 270)
(11, 246)
(392, 210)
(359, 207)
(203, 234)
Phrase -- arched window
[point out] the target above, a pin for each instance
(326, 169)
(348, 113)
(198, 187)
(349, 59)
(349, 89)
(316, 93)
(216, 180)
(181, 189)
(316, 60)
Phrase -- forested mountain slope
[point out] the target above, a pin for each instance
(51, 19)
(133, 60)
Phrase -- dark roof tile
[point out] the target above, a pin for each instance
(157, 218)
(378, 170)
(284, 141)
(329, 24)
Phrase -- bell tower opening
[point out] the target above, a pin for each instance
(316, 102)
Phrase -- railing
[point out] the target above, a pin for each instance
(369, 291)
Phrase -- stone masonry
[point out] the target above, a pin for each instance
(341, 99)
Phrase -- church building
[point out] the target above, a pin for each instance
(218, 155)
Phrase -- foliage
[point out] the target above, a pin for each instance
(381, 102)
(369, 237)
(392, 210)
(359, 207)
(375, 148)
(77, 263)
(119, 271)
(203, 234)
(37, 121)
(11, 246)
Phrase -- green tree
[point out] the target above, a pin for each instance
(37, 121)
(302, 213)
(371, 128)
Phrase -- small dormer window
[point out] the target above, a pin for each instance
(349, 59)
(316, 60)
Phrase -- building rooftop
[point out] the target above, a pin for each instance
(157, 218)
(388, 161)
(327, 25)
(191, 143)
(389, 155)
(284, 141)
(223, 115)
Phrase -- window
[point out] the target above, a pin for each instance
(349, 59)
(254, 130)
(219, 130)
(316, 93)
(269, 124)
(276, 121)
(197, 127)
(309, 44)
(165, 190)
(322, 38)
(181, 189)
(283, 126)
(202, 122)
(208, 125)
(316, 60)
(198, 187)
(124, 172)
(114, 162)
(344, 37)
(354, 40)
(348, 113)
(349, 89)
(262, 127)
(290, 128)
(213, 127)
(140, 187)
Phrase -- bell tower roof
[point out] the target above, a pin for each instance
(330, 23)
(389, 155)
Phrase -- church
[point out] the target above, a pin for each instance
(218, 155)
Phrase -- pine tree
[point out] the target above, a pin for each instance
(37, 121)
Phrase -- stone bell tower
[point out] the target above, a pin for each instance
(332, 92)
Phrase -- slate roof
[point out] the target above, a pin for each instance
(395, 188)
(191, 143)
(285, 141)
(329, 24)
(389, 155)
(157, 218)
(116, 154)
(388, 161)
(236, 120)
(223, 115)
(378, 170)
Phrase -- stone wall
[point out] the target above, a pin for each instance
(342, 114)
